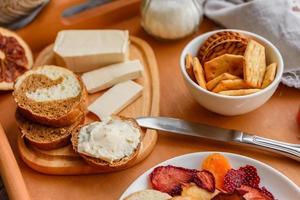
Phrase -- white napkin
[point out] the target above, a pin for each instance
(276, 20)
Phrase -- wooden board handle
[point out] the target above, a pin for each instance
(14, 182)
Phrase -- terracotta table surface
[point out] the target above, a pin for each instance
(275, 119)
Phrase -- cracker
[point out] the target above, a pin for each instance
(189, 66)
(255, 64)
(232, 64)
(212, 40)
(269, 75)
(232, 46)
(234, 84)
(199, 73)
(225, 76)
(240, 92)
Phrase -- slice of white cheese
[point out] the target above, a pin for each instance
(108, 76)
(115, 99)
(86, 50)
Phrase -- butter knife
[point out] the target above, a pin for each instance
(183, 127)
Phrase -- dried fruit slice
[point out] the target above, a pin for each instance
(233, 179)
(194, 192)
(250, 193)
(205, 180)
(218, 165)
(15, 58)
(170, 178)
(251, 179)
(228, 196)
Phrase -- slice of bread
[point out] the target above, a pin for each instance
(46, 137)
(148, 194)
(50, 95)
(115, 164)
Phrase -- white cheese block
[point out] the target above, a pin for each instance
(109, 140)
(115, 99)
(108, 76)
(86, 50)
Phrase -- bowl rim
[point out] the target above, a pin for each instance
(279, 70)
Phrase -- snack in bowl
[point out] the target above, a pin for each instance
(15, 57)
(237, 184)
(50, 95)
(112, 143)
(242, 59)
(232, 102)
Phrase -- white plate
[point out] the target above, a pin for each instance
(278, 184)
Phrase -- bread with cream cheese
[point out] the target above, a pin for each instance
(104, 164)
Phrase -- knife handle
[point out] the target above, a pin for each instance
(287, 149)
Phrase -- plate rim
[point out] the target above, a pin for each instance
(294, 185)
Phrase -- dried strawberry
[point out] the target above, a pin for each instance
(250, 193)
(267, 193)
(205, 180)
(228, 196)
(251, 179)
(170, 178)
(233, 179)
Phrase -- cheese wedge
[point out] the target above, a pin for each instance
(115, 99)
(86, 50)
(106, 77)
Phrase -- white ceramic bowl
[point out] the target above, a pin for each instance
(232, 105)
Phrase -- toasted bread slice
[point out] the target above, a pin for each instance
(99, 161)
(50, 95)
(46, 137)
(148, 194)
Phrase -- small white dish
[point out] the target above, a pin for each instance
(278, 184)
(232, 105)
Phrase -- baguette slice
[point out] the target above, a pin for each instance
(50, 95)
(148, 194)
(102, 164)
(46, 137)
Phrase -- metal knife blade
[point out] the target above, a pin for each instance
(210, 132)
(83, 6)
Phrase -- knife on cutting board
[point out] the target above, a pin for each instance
(183, 127)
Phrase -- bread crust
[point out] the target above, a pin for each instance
(104, 165)
(10, 85)
(45, 145)
(65, 120)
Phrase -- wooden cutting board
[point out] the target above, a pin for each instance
(65, 161)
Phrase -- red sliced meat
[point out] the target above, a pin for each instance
(170, 178)
(205, 180)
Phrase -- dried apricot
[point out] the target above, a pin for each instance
(218, 165)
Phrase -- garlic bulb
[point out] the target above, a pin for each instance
(171, 19)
